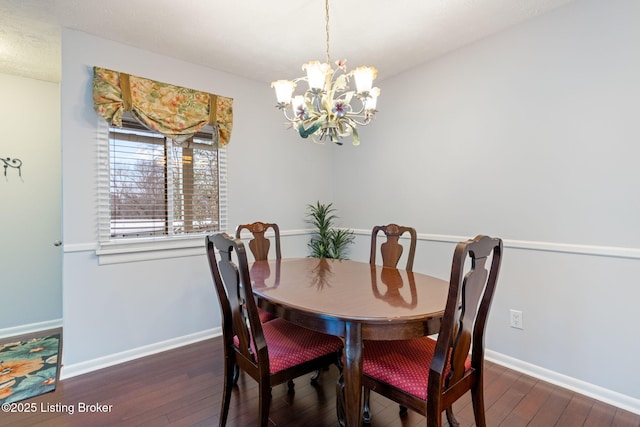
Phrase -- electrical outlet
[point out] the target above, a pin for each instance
(515, 319)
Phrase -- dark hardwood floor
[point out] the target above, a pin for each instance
(182, 387)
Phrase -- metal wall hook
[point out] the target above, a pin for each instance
(13, 163)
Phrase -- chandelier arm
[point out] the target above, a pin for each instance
(292, 120)
(356, 122)
(359, 112)
(361, 98)
(366, 122)
(363, 117)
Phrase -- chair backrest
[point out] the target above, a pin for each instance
(240, 318)
(391, 250)
(260, 245)
(471, 291)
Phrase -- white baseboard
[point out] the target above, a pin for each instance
(75, 369)
(32, 327)
(610, 397)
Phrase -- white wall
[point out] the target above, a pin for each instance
(530, 135)
(118, 311)
(30, 265)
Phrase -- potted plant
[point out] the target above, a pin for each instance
(326, 240)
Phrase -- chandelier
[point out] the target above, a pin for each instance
(325, 110)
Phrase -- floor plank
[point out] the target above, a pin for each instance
(182, 387)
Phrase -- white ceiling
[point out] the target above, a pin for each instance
(263, 40)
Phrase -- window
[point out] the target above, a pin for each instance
(154, 189)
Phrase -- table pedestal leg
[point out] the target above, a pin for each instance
(349, 387)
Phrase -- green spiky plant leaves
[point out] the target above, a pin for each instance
(327, 241)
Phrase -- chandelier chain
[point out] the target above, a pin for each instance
(326, 9)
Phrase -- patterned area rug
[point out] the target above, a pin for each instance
(29, 365)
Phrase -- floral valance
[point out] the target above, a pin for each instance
(173, 111)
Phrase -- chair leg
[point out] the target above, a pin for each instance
(236, 374)
(264, 390)
(316, 375)
(477, 401)
(402, 411)
(226, 394)
(340, 401)
(366, 413)
(291, 386)
(453, 422)
(434, 413)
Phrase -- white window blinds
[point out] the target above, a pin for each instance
(155, 188)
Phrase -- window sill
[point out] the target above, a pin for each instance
(134, 250)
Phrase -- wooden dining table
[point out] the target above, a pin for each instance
(353, 300)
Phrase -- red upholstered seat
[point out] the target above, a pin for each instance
(426, 375)
(290, 345)
(402, 364)
(265, 316)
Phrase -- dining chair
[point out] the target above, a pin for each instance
(391, 250)
(259, 244)
(271, 353)
(428, 375)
